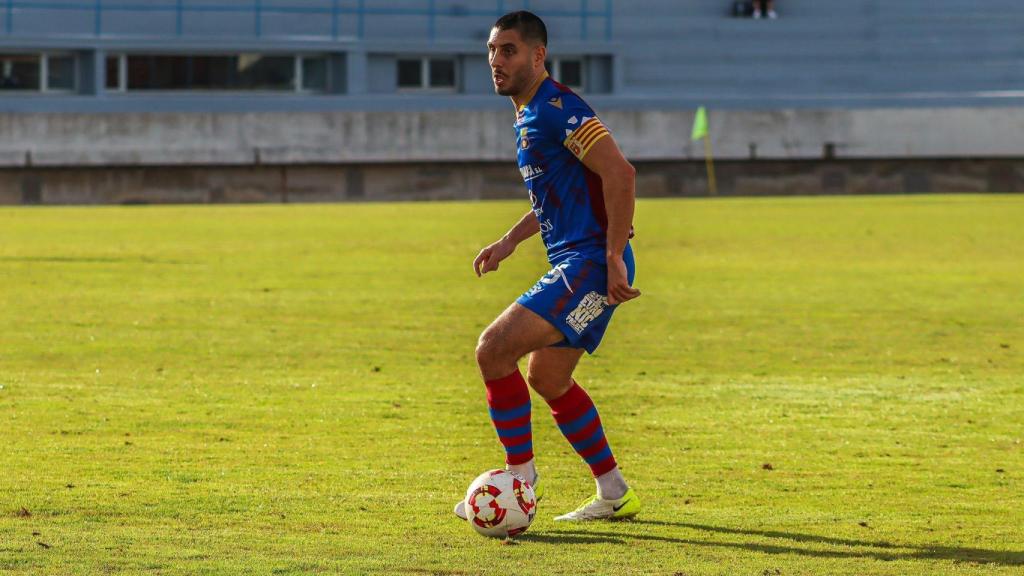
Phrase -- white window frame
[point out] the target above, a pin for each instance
(300, 75)
(44, 73)
(43, 69)
(297, 60)
(425, 75)
(556, 70)
(122, 73)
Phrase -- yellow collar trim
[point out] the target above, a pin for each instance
(533, 91)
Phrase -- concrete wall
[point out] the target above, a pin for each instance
(213, 184)
(135, 139)
(487, 180)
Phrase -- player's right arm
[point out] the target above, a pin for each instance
(488, 258)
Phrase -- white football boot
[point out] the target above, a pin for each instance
(598, 509)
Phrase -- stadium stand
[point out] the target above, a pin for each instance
(357, 98)
(653, 53)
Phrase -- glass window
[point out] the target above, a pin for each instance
(239, 72)
(568, 72)
(113, 72)
(571, 73)
(259, 72)
(410, 73)
(60, 73)
(156, 72)
(19, 72)
(314, 73)
(442, 73)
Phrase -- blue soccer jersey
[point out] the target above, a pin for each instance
(554, 132)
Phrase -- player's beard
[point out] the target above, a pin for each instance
(513, 85)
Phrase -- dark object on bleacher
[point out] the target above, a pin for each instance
(742, 9)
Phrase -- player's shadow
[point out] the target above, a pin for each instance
(878, 549)
(571, 538)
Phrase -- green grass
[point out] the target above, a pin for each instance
(291, 390)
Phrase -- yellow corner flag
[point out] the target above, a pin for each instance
(700, 125)
(700, 132)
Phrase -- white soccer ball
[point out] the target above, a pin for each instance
(500, 504)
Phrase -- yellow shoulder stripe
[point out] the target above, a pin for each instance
(581, 140)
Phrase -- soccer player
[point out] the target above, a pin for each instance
(581, 190)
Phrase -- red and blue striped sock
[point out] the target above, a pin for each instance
(509, 402)
(579, 421)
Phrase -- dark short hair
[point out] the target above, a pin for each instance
(529, 25)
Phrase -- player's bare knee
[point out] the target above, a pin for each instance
(549, 389)
(540, 385)
(483, 350)
(535, 382)
(488, 349)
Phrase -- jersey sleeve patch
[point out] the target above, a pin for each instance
(583, 138)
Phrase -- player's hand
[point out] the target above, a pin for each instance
(619, 290)
(488, 258)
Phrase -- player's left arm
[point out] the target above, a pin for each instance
(618, 181)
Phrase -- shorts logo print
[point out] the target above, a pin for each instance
(552, 277)
(592, 305)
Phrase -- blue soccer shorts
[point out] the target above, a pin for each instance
(573, 297)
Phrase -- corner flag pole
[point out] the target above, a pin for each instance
(710, 161)
(700, 131)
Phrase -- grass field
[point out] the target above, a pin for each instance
(291, 390)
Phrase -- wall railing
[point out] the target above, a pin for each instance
(259, 12)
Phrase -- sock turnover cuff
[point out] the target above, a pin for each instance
(574, 403)
(508, 391)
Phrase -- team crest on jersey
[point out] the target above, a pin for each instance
(592, 305)
(524, 142)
